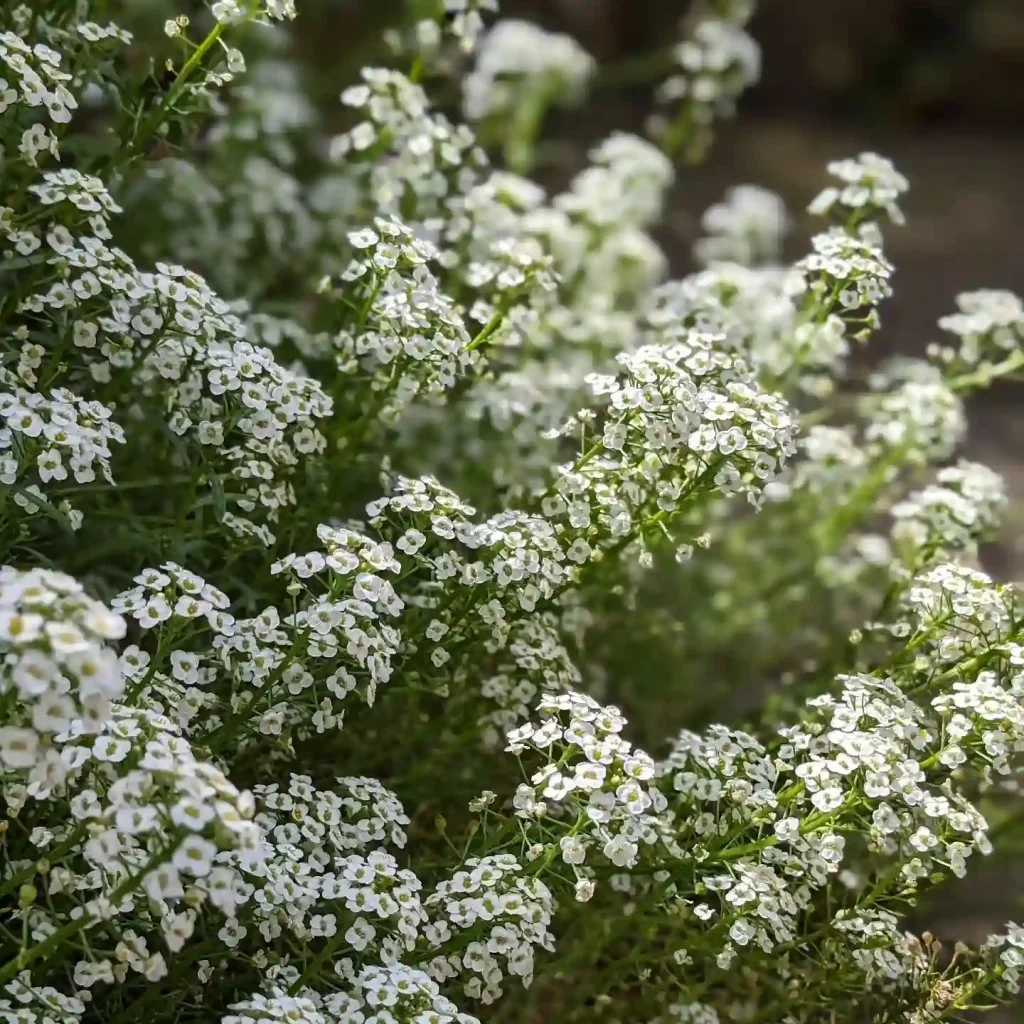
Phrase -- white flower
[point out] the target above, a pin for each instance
(18, 747)
(360, 934)
(194, 856)
(573, 850)
(584, 889)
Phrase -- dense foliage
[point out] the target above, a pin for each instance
(350, 484)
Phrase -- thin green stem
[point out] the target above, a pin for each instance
(492, 325)
(56, 939)
(157, 117)
(984, 375)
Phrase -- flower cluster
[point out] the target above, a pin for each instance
(41, 432)
(404, 994)
(684, 415)
(963, 506)
(349, 488)
(623, 185)
(174, 592)
(37, 83)
(989, 327)
(310, 884)
(761, 313)
(465, 19)
(717, 61)
(518, 62)
(591, 772)
(747, 227)
(922, 415)
(231, 11)
(428, 154)
(851, 272)
(871, 185)
(59, 670)
(506, 912)
(179, 343)
(411, 338)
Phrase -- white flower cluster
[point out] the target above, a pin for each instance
(718, 60)
(686, 414)
(411, 338)
(393, 993)
(308, 882)
(832, 460)
(172, 591)
(874, 747)
(30, 999)
(513, 561)
(591, 772)
(233, 11)
(519, 62)
(507, 914)
(851, 272)
(465, 19)
(429, 153)
(963, 506)
(537, 661)
(263, 782)
(767, 314)
(989, 326)
(41, 432)
(919, 415)
(1010, 947)
(330, 622)
(593, 241)
(871, 186)
(624, 184)
(141, 813)
(746, 227)
(278, 666)
(59, 671)
(37, 81)
(959, 613)
(222, 226)
(179, 342)
(718, 63)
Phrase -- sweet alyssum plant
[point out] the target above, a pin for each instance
(350, 484)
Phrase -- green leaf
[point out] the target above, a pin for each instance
(219, 503)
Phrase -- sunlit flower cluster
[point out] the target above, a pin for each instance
(354, 490)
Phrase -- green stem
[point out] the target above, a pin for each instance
(492, 325)
(986, 374)
(314, 965)
(25, 874)
(153, 122)
(860, 501)
(522, 136)
(72, 928)
(810, 824)
(647, 67)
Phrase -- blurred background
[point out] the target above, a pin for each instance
(935, 85)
